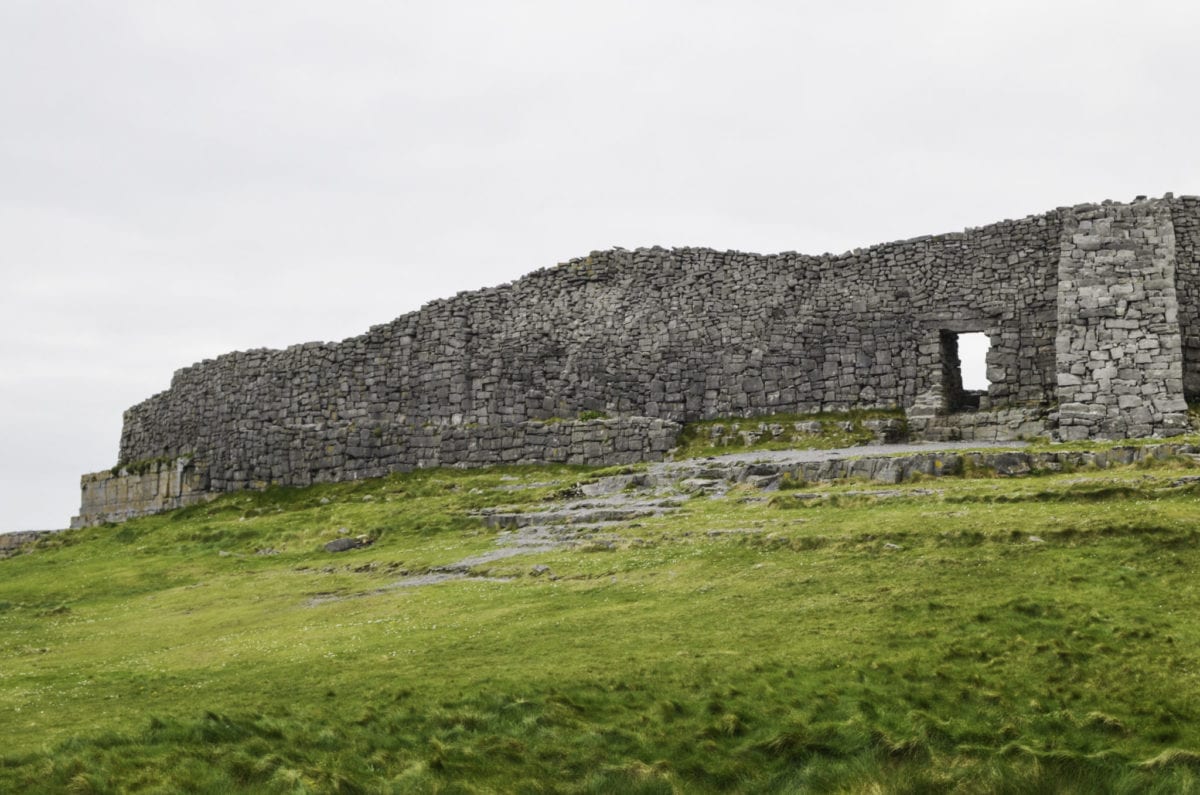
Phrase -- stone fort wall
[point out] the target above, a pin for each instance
(684, 334)
(1185, 218)
(679, 334)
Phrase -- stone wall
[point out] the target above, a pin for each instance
(681, 334)
(155, 486)
(1185, 218)
(1081, 305)
(985, 425)
(301, 456)
(1120, 359)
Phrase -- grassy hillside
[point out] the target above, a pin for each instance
(974, 635)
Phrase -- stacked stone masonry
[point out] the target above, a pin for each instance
(1093, 314)
(303, 456)
(1119, 347)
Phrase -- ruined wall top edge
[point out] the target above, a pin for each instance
(679, 333)
(792, 258)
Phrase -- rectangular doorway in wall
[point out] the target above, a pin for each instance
(964, 369)
(972, 357)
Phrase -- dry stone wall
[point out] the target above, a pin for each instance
(1185, 219)
(301, 456)
(1120, 355)
(679, 335)
(1095, 307)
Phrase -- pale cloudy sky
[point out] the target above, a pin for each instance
(180, 179)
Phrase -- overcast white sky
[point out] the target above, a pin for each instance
(181, 179)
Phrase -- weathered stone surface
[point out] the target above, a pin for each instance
(346, 544)
(1116, 285)
(1093, 313)
(11, 543)
(895, 469)
(119, 494)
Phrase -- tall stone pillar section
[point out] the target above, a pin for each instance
(1119, 348)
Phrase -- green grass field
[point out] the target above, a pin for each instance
(954, 635)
